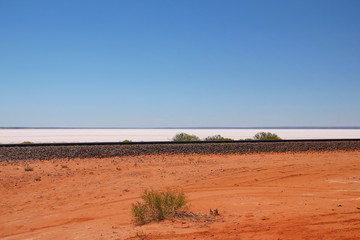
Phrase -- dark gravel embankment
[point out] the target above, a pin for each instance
(87, 151)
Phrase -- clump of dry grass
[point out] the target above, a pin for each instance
(28, 169)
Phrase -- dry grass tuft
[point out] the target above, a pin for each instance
(158, 206)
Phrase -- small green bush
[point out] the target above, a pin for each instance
(127, 140)
(217, 138)
(266, 136)
(27, 142)
(28, 169)
(158, 206)
(184, 137)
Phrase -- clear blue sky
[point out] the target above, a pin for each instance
(183, 63)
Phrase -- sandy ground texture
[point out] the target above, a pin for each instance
(309, 195)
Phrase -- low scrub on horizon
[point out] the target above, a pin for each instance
(266, 136)
(184, 137)
(263, 136)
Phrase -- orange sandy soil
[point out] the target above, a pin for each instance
(311, 195)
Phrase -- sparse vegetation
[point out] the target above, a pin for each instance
(64, 166)
(214, 212)
(263, 136)
(184, 137)
(127, 140)
(266, 136)
(217, 138)
(27, 142)
(157, 206)
(28, 169)
(140, 235)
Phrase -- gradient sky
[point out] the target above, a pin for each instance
(184, 63)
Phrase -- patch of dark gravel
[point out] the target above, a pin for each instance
(100, 151)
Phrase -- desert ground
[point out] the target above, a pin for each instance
(307, 195)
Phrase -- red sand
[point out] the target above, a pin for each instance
(310, 195)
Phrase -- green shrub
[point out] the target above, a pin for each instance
(184, 137)
(217, 138)
(127, 140)
(140, 213)
(27, 142)
(266, 136)
(158, 206)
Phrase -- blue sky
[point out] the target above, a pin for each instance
(179, 63)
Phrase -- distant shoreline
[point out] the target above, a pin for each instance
(58, 134)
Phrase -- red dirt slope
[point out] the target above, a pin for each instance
(311, 195)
